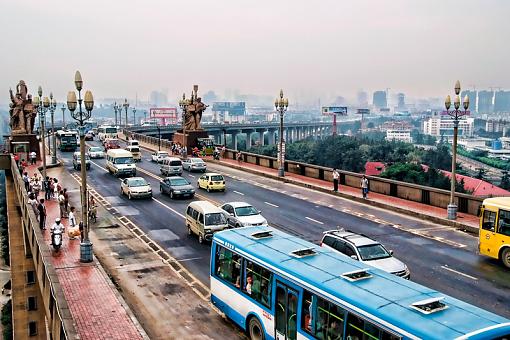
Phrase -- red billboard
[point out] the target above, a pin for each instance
(164, 115)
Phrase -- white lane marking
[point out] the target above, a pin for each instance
(99, 166)
(166, 206)
(460, 273)
(271, 204)
(311, 219)
(191, 175)
(149, 174)
(239, 193)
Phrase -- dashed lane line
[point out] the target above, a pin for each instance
(313, 220)
(166, 206)
(239, 193)
(460, 273)
(272, 205)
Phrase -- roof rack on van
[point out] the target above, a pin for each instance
(262, 234)
(430, 306)
(303, 252)
(357, 275)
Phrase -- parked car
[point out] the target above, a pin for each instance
(364, 249)
(158, 156)
(242, 214)
(89, 136)
(194, 164)
(211, 181)
(77, 161)
(95, 152)
(176, 186)
(135, 187)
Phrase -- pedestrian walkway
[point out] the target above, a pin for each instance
(95, 306)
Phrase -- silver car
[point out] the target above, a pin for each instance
(242, 214)
(364, 249)
(194, 164)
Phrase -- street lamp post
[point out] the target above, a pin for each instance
(144, 115)
(63, 116)
(134, 116)
(159, 137)
(281, 105)
(53, 106)
(455, 115)
(126, 107)
(42, 105)
(115, 108)
(81, 117)
(183, 103)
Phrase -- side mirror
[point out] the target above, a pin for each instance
(260, 212)
(230, 214)
(391, 252)
(354, 257)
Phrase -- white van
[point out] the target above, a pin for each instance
(135, 150)
(133, 142)
(120, 162)
(203, 219)
(171, 166)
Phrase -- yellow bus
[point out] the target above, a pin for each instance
(494, 240)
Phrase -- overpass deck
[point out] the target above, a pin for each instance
(97, 309)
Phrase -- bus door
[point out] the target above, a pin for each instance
(488, 233)
(286, 312)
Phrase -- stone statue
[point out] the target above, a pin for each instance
(22, 111)
(194, 111)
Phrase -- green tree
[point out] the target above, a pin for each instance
(505, 180)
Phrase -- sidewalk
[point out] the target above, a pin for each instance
(96, 307)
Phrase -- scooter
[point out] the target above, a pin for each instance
(216, 155)
(93, 213)
(56, 237)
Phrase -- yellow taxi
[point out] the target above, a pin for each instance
(211, 181)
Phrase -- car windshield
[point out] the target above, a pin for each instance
(175, 163)
(215, 219)
(373, 252)
(179, 181)
(137, 182)
(246, 211)
(134, 149)
(95, 149)
(124, 160)
(78, 156)
(197, 161)
(163, 154)
(217, 178)
(111, 130)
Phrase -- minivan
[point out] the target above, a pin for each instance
(120, 162)
(171, 166)
(135, 150)
(133, 142)
(204, 219)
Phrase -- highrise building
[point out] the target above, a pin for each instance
(362, 99)
(437, 126)
(472, 99)
(158, 99)
(485, 101)
(401, 101)
(502, 101)
(379, 100)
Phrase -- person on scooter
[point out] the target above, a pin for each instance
(57, 227)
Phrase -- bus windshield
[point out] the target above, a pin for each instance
(111, 130)
(124, 160)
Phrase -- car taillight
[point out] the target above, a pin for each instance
(223, 182)
(210, 183)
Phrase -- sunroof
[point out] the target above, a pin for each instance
(303, 252)
(357, 275)
(262, 234)
(429, 306)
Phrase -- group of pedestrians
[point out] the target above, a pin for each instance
(363, 183)
(178, 149)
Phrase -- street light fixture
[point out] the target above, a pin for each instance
(81, 117)
(281, 104)
(53, 106)
(134, 116)
(116, 108)
(456, 114)
(63, 116)
(183, 104)
(126, 106)
(42, 104)
(159, 137)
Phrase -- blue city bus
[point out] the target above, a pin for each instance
(67, 140)
(277, 286)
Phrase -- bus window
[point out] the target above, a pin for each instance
(257, 283)
(330, 320)
(489, 220)
(504, 222)
(228, 266)
(306, 314)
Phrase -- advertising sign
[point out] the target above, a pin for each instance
(232, 108)
(164, 115)
(363, 111)
(338, 110)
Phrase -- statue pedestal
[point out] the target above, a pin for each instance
(190, 138)
(23, 144)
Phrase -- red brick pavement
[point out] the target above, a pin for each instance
(96, 309)
(469, 220)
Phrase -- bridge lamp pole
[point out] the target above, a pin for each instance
(456, 115)
(134, 116)
(182, 104)
(86, 254)
(126, 107)
(281, 104)
(159, 137)
(63, 116)
(116, 108)
(42, 105)
(53, 106)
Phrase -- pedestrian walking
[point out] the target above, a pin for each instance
(16, 159)
(72, 220)
(55, 188)
(61, 205)
(26, 180)
(364, 186)
(336, 177)
(33, 203)
(33, 157)
(47, 188)
(42, 214)
(36, 187)
(239, 157)
(66, 200)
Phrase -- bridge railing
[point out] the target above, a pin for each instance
(59, 319)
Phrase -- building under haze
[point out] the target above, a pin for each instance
(401, 102)
(158, 99)
(472, 99)
(497, 125)
(380, 100)
(485, 101)
(438, 126)
(362, 99)
(502, 101)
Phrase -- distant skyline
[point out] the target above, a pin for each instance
(312, 50)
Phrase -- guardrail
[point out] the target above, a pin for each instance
(59, 319)
(413, 192)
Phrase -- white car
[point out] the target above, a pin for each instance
(95, 152)
(158, 156)
(194, 164)
(362, 248)
(135, 187)
(242, 214)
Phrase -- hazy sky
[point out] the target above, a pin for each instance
(308, 48)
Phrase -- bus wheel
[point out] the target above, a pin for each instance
(255, 329)
(505, 257)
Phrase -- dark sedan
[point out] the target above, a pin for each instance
(176, 186)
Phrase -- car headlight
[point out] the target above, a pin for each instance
(177, 191)
(207, 230)
(150, 189)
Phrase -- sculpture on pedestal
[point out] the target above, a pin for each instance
(22, 112)
(193, 111)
